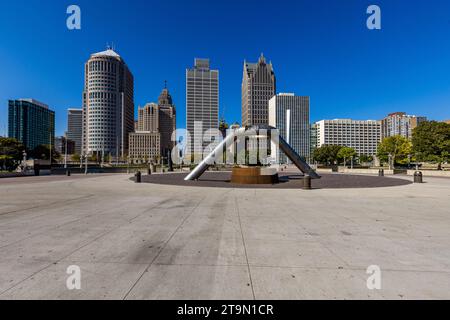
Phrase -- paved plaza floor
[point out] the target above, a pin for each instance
(148, 241)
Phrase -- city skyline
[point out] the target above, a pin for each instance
(376, 65)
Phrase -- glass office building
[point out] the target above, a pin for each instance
(31, 122)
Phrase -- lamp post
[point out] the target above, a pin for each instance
(65, 153)
(50, 153)
(24, 160)
(390, 162)
(85, 157)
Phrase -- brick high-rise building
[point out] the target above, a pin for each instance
(167, 120)
(400, 124)
(148, 118)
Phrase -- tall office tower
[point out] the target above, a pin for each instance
(108, 104)
(290, 115)
(258, 87)
(400, 124)
(75, 128)
(167, 120)
(31, 122)
(202, 101)
(148, 118)
(363, 136)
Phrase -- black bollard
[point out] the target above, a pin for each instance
(307, 183)
(381, 173)
(68, 173)
(138, 177)
(149, 171)
(418, 177)
(36, 170)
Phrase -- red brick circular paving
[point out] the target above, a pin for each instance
(288, 181)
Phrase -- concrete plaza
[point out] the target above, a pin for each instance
(146, 241)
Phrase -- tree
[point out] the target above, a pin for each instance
(394, 149)
(364, 158)
(346, 153)
(431, 142)
(223, 127)
(42, 152)
(327, 154)
(11, 153)
(76, 157)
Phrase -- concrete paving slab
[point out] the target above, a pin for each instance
(194, 282)
(388, 253)
(124, 245)
(203, 250)
(310, 284)
(281, 253)
(98, 281)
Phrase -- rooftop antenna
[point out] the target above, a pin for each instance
(165, 84)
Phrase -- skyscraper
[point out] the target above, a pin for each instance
(290, 115)
(258, 87)
(62, 143)
(400, 124)
(148, 118)
(167, 120)
(108, 104)
(31, 122)
(202, 99)
(75, 128)
(145, 142)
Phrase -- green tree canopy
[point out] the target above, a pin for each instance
(431, 142)
(346, 153)
(327, 154)
(76, 157)
(42, 152)
(364, 158)
(11, 153)
(223, 127)
(396, 148)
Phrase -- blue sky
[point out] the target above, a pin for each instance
(319, 48)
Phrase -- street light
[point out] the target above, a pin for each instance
(24, 160)
(65, 153)
(85, 157)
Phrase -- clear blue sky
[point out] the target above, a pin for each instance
(319, 48)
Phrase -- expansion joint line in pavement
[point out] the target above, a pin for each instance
(245, 247)
(47, 205)
(163, 247)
